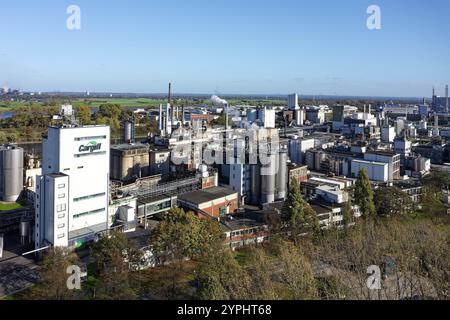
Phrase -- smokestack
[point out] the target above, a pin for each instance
(226, 116)
(182, 115)
(160, 120)
(167, 129)
(172, 121)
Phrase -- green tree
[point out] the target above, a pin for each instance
(301, 216)
(364, 194)
(84, 115)
(183, 235)
(54, 276)
(391, 201)
(297, 273)
(220, 277)
(348, 214)
(114, 256)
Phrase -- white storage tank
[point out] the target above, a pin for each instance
(11, 173)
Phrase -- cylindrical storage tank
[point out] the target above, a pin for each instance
(255, 188)
(25, 231)
(128, 134)
(294, 151)
(11, 173)
(268, 180)
(281, 182)
(299, 118)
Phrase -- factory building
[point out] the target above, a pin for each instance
(11, 173)
(159, 162)
(298, 148)
(388, 134)
(377, 171)
(213, 202)
(72, 195)
(390, 158)
(129, 162)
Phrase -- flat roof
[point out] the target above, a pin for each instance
(239, 224)
(205, 195)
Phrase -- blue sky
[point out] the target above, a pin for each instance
(227, 46)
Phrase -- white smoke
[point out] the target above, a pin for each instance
(218, 101)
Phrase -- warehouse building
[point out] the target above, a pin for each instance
(213, 202)
(377, 171)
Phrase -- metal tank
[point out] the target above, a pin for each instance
(255, 188)
(25, 232)
(128, 134)
(281, 181)
(268, 180)
(11, 173)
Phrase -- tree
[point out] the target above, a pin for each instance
(221, 277)
(391, 201)
(84, 115)
(348, 214)
(364, 194)
(115, 260)
(54, 276)
(261, 272)
(302, 218)
(297, 273)
(180, 236)
(183, 235)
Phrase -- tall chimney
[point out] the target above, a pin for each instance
(182, 115)
(160, 120)
(226, 116)
(172, 121)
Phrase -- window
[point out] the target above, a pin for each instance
(60, 216)
(89, 154)
(61, 186)
(89, 138)
(61, 196)
(61, 207)
(62, 225)
(88, 213)
(60, 236)
(89, 197)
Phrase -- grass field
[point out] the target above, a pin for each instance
(129, 102)
(6, 206)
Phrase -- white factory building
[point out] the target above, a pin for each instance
(72, 192)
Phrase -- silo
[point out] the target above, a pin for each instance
(299, 117)
(11, 173)
(281, 182)
(268, 180)
(128, 133)
(255, 189)
(25, 232)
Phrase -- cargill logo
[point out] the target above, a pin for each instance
(90, 147)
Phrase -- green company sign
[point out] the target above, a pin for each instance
(90, 147)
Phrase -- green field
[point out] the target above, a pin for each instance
(6, 206)
(128, 102)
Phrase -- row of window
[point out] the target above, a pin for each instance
(88, 213)
(89, 154)
(90, 138)
(98, 195)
